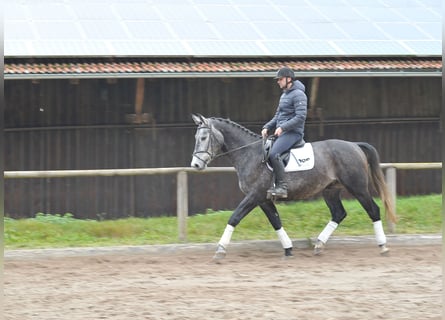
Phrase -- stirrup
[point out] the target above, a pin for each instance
(273, 194)
(279, 192)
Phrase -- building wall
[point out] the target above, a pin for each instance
(84, 124)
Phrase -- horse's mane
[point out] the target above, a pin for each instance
(237, 125)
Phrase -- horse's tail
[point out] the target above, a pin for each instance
(378, 179)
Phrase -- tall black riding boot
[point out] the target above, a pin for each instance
(280, 189)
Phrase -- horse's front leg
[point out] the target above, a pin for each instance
(245, 206)
(271, 212)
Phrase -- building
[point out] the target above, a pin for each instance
(105, 84)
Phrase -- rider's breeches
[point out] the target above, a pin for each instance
(284, 143)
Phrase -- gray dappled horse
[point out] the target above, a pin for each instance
(338, 165)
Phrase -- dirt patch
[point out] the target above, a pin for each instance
(345, 283)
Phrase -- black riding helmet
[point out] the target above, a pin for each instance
(284, 73)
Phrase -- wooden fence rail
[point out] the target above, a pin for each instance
(182, 182)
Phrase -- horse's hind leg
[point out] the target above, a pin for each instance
(373, 211)
(274, 218)
(332, 198)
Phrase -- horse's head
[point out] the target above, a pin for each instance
(208, 142)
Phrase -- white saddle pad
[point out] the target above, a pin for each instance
(300, 159)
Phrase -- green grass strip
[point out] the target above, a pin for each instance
(304, 219)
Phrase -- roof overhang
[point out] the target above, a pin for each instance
(101, 68)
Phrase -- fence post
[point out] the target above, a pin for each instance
(182, 204)
(391, 181)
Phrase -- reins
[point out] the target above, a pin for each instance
(221, 154)
(236, 149)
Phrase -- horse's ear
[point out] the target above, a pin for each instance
(199, 119)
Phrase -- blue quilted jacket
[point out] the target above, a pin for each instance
(291, 111)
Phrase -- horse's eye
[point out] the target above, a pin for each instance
(203, 138)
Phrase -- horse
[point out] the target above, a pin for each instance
(339, 165)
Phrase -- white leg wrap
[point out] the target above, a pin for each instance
(379, 233)
(286, 242)
(227, 235)
(327, 231)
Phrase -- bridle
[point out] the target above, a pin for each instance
(210, 146)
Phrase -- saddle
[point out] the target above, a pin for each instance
(299, 158)
(267, 146)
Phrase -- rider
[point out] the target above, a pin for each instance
(287, 125)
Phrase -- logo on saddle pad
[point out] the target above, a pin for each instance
(299, 159)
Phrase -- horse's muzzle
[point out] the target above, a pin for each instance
(198, 164)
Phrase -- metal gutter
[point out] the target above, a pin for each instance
(303, 74)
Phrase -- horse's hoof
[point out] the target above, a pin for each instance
(384, 251)
(220, 253)
(319, 248)
(288, 253)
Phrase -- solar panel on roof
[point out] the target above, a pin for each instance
(237, 31)
(179, 12)
(19, 30)
(167, 2)
(252, 2)
(361, 3)
(222, 27)
(261, 13)
(425, 47)
(401, 3)
(418, 14)
(135, 11)
(142, 30)
(402, 31)
(18, 48)
(279, 30)
(330, 3)
(57, 30)
(362, 31)
(379, 14)
(432, 29)
(16, 11)
(340, 13)
(92, 11)
(51, 11)
(69, 48)
(370, 48)
(226, 48)
(322, 31)
(219, 13)
(213, 2)
(157, 48)
(298, 14)
(188, 30)
(307, 48)
(433, 3)
(104, 30)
